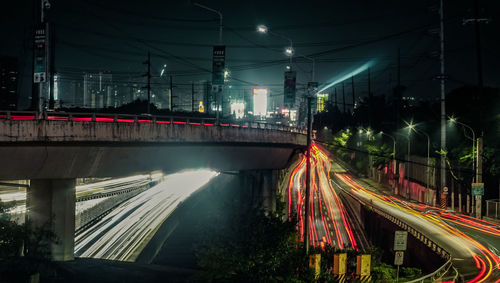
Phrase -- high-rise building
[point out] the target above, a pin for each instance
(9, 76)
(98, 90)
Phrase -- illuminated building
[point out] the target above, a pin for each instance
(238, 110)
(97, 90)
(322, 98)
(8, 83)
(260, 102)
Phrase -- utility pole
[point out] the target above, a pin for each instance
(443, 98)
(477, 21)
(336, 105)
(399, 66)
(353, 94)
(171, 95)
(308, 176)
(42, 64)
(192, 97)
(51, 61)
(479, 175)
(148, 86)
(343, 95)
(397, 93)
(370, 100)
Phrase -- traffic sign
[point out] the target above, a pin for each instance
(477, 189)
(39, 77)
(399, 257)
(40, 58)
(315, 263)
(445, 190)
(400, 239)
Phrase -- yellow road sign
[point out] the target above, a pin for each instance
(315, 263)
(339, 264)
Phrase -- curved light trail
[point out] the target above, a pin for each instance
(474, 261)
(123, 233)
(328, 221)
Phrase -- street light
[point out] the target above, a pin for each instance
(412, 127)
(163, 70)
(214, 11)
(289, 51)
(475, 166)
(262, 28)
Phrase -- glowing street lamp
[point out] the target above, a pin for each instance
(288, 50)
(262, 28)
(474, 145)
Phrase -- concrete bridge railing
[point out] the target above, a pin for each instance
(142, 118)
(55, 148)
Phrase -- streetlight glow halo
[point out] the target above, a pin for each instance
(262, 29)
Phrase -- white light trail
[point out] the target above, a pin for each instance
(348, 75)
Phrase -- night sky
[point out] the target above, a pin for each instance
(115, 36)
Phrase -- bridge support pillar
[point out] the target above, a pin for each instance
(51, 203)
(263, 186)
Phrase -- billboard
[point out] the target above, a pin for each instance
(260, 102)
(218, 64)
(290, 87)
(322, 99)
(40, 60)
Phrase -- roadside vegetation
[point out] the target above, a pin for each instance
(259, 247)
(24, 251)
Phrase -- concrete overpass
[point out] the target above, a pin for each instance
(54, 149)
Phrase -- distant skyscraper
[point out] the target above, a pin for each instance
(8, 83)
(98, 90)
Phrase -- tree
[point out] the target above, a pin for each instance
(259, 247)
(24, 250)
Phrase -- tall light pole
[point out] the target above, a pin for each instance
(289, 51)
(308, 175)
(474, 150)
(443, 96)
(219, 89)
(214, 11)
(475, 166)
(313, 65)
(413, 128)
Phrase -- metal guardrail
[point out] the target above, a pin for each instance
(438, 273)
(142, 118)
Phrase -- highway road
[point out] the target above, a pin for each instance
(87, 195)
(328, 222)
(123, 233)
(472, 243)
